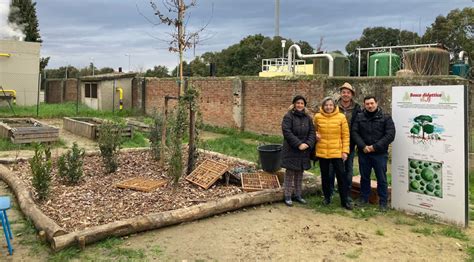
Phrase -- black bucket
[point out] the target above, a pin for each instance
(270, 157)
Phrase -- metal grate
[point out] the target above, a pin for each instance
(206, 174)
(141, 184)
(259, 181)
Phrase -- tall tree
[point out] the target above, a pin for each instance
(157, 71)
(378, 36)
(455, 31)
(23, 13)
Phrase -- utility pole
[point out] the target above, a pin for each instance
(277, 17)
(129, 56)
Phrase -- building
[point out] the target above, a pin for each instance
(19, 70)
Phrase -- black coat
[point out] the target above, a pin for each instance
(377, 130)
(297, 128)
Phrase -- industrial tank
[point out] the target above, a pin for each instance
(379, 64)
(341, 65)
(427, 61)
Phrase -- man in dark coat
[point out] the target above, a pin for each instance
(299, 138)
(373, 132)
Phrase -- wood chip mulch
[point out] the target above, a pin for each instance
(96, 200)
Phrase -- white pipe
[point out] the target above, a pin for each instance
(375, 66)
(298, 52)
(461, 56)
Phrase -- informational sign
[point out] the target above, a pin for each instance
(430, 153)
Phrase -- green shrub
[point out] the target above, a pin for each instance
(110, 139)
(155, 135)
(70, 164)
(177, 128)
(40, 166)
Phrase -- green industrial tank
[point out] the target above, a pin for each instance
(461, 69)
(341, 65)
(379, 64)
(427, 61)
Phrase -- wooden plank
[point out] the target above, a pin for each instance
(32, 140)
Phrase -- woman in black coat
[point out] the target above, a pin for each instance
(299, 138)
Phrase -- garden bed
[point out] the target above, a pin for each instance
(89, 127)
(27, 130)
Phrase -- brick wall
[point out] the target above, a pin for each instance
(60, 90)
(264, 101)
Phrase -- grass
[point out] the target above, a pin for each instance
(470, 253)
(61, 110)
(426, 231)
(65, 255)
(233, 147)
(137, 140)
(454, 232)
(379, 232)
(404, 221)
(354, 254)
(7, 145)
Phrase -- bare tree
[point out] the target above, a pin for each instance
(173, 13)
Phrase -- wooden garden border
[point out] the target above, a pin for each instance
(60, 239)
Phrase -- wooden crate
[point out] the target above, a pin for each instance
(373, 197)
(89, 127)
(259, 181)
(206, 174)
(27, 130)
(142, 184)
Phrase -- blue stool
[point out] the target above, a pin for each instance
(4, 205)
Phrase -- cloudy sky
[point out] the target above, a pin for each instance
(114, 32)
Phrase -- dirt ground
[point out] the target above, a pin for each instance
(270, 232)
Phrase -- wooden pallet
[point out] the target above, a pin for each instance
(259, 181)
(206, 174)
(141, 184)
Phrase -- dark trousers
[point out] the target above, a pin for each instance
(348, 173)
(338, 166)
(293, 178)
(379, 163)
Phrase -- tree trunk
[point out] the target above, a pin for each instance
(28, 205)
(168, 218)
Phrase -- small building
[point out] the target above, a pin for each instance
(111, 91)
(19, 70)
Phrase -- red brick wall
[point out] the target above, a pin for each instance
(53, 91)
(266, 102)
(216, 100)
(70, 92)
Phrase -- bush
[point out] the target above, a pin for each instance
(110, 139)
(155, 135)
(40, 166)
(70, 164)
(177, 127)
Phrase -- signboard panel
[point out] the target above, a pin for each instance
(429, 156)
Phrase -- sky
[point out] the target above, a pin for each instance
(118, 33)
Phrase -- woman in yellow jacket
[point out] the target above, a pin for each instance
(332, 134)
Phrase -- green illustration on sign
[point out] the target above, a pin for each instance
(425, 177)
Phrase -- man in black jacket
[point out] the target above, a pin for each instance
(373, 131)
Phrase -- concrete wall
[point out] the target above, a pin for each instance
(258, 104)
(20, 71)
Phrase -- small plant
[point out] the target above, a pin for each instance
(70, 164)
(354, 254)
(426, 231)
(379, 232)
(40, 166)
(110, 139)
(402, 221)
(155, 135)
(178, 127)
(454, 232)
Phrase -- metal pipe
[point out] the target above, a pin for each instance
(375, 66)
(120, 90)
(113, 98)
(4, 55)
(298, 52)
(390, 62)
(13, 92)
(277, 17)
(358, 65)
(396, 46)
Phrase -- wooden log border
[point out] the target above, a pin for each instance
(61, 239)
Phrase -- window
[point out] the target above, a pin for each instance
(90, 90)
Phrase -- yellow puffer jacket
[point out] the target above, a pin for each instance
(334, 133)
